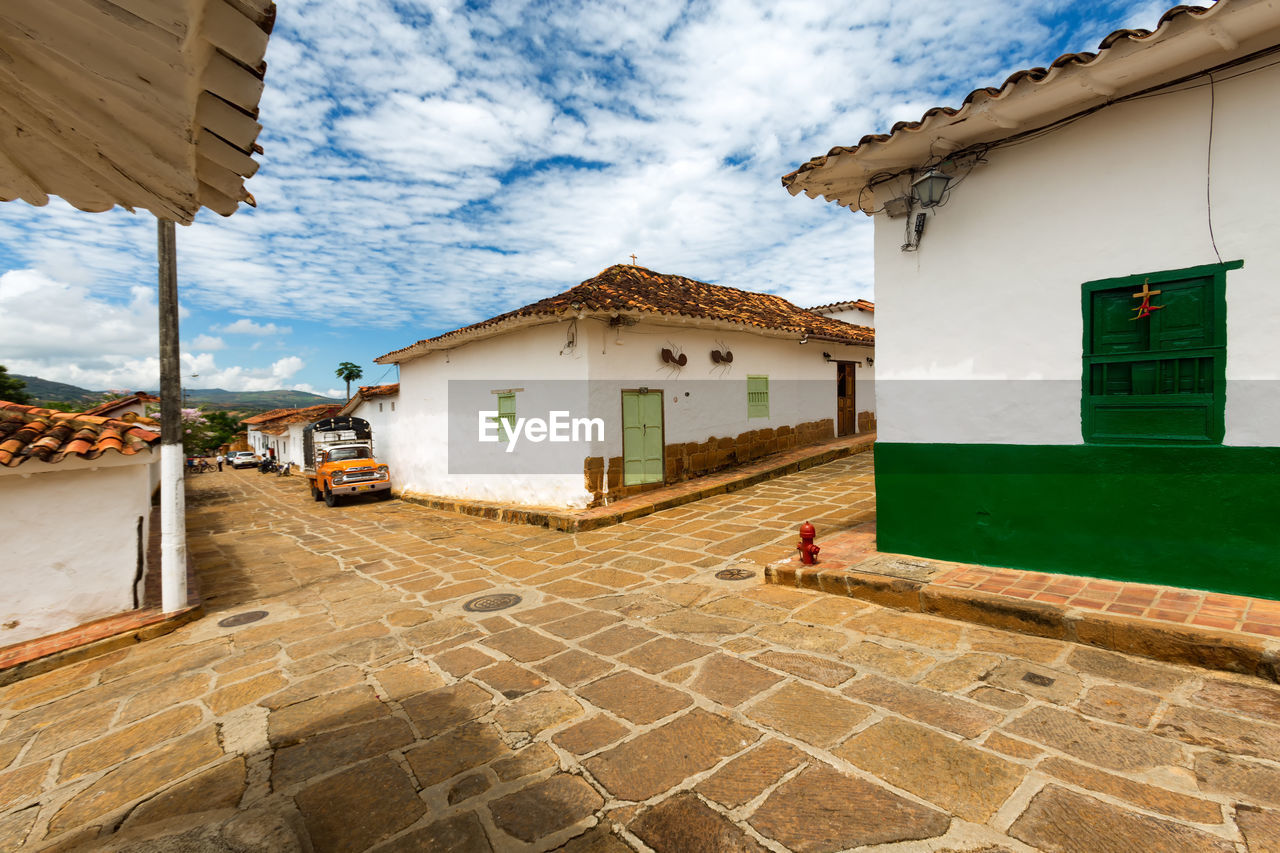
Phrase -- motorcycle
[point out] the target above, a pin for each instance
(268, 466)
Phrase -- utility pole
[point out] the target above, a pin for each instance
(173, 515)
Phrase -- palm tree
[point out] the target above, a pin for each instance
(348, 372)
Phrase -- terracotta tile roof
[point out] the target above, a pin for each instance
(634, 291)
(368, 392)
(277, 421)
(47, 435)
(833, 307)
(104, 409)
(266, 416)
(1127, 63)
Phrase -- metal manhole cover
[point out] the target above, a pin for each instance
(243, 618)
(735, 574)
(489, 603)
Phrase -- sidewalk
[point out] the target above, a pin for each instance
(1226, 632)
(677, 494)
(101, 636)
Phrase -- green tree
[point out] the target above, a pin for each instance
(12, 389)
(348, 372)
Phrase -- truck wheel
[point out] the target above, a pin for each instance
(330, 499)
(316, 494)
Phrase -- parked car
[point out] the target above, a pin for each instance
(242, 459)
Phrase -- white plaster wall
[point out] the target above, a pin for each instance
(993, 293)
(856, 316)
(802, 384)
(802, 389)
(383, 419)
(71, 541)
(418, 447)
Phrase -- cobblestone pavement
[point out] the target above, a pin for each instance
(632, 700)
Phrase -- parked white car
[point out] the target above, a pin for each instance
(242, 459)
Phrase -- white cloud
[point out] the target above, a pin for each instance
(208, 343)
(429, 164)
(63, 333)
(245, 326)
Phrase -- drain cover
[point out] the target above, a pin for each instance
(243, 618)
(489, 603)
(735, 574)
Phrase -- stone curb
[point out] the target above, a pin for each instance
(76, 654)
(570, 522)
(1185, 644)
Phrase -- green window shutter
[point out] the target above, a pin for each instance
(757, 396)
(506, 415)
(1161, 378)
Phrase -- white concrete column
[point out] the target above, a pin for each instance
(173, 516)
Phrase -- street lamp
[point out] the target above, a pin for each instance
(929, 187)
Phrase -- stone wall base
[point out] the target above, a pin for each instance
(699, 458)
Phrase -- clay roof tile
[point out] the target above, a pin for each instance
(51, 436)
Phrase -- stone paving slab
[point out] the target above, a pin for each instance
(631, 701)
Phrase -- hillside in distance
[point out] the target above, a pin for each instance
(214, 399)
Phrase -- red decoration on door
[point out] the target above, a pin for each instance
(1145, 308)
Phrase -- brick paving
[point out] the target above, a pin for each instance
(631, 701)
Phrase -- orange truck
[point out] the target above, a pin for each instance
(339, 460)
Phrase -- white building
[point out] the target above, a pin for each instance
(377, 405)
(75, 500)
(127, 408)
(669, 378)
(278, 433)
(1034, 414)
(858, 312)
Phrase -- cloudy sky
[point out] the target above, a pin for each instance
(430, 164)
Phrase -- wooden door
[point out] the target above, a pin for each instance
(846, 403)
(642, 445)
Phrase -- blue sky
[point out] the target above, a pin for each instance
(431, 164)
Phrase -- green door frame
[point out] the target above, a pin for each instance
(652, 469)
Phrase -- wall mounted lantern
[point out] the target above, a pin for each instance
(929, 187)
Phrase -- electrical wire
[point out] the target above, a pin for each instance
(1208, 173)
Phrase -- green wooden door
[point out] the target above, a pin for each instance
(642, 449)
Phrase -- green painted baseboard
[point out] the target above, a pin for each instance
(1198, 517)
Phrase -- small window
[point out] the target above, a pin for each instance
(393, 405)
(379, 407)
(1155, 354)
(506, 414)
(757, 396)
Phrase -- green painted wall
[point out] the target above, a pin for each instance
(1198, 517)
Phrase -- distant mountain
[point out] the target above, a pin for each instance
(43, 389)
(208, 398)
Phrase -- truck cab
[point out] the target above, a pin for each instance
(340, 460)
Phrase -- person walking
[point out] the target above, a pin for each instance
(221, 459)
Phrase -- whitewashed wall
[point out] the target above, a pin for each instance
(716, 405)
(994, 291)
(419, 443)
(382, 413)
(802, 383)
(72, 553)
(856, 316)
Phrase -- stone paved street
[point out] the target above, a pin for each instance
(632, 700)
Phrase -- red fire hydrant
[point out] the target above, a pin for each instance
(808, 551)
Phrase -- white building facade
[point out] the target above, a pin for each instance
(77, 532)
(1078, 355)
(661, 398)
